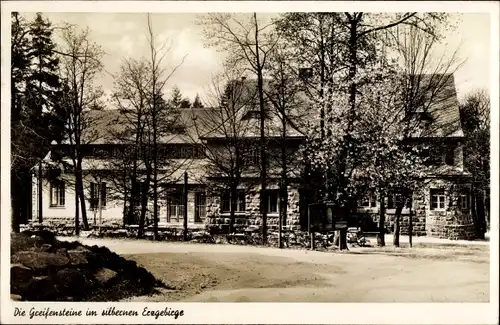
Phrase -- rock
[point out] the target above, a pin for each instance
(16, 297)
(39, 260)
(105, 276)
(24, 242)
(45, 248)
(73, 282)
(41, 288)
(81, 248)
(20, 277)
(62, 251)
(77, 257)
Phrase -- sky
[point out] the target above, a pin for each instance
(124, 35)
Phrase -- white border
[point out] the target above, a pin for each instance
(296, 313)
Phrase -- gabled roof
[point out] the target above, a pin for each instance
(440, 103)
(246, 115)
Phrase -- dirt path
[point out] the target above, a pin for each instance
(230, 273)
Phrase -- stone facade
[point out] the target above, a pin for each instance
(451, 221)
(252, 216)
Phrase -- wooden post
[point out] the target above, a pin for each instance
(280, 217)
(99, 197)
(410, 228)
(40, 193)
(185, 201)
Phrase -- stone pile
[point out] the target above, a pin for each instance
(45, 269)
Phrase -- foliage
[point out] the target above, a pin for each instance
(36, 110)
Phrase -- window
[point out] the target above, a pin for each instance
(272, 202)
(437, 199)
(200, 210)
(253, 156)
(175, 207)
(240, 202)
(449, 157)
(463, 201)
(137, 190)
(394, 200)
(57, 193)
(96, 194)
(369, 201)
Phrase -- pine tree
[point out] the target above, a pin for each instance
(197, 102)
(175, 97)
(35, 114)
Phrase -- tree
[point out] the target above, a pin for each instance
(222, 129)
(423, 85)
(133, 163)
(148, 118)
(80, 65)
(177, 100)
(197, 102)
(248, 43)
(283, 92)
(356, 49)
(35, 110)
(475, 117)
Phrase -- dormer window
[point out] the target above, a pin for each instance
(305, 73)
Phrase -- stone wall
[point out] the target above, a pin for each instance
(451, 222)
(252, 215)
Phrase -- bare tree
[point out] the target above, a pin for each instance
(248, 43)
(80, 65)
(427, 76)
(284, 92)
(148, 119)
(222, 130)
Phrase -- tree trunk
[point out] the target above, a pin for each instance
(81, 193)
(381, 223)
(232, 206)
(395, 240)
(343, 231)
(185, 202)
(410, 226)
(77, 209)
(144, 206)
(155, 203)
(40, 193)
(14, 193)
(263, 153)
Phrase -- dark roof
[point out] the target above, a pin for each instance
(440, 104)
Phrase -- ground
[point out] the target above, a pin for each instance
(435, 271)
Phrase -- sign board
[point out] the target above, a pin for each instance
(322, 217)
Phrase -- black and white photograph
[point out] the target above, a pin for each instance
(161, 157)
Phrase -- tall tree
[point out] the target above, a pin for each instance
(80, 66)
(248, 42)
(475, 117)
(35, 110)
(222, 129)
(284, 92)
(357, 45)
(423, 85)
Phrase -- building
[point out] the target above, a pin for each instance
(200, 155)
